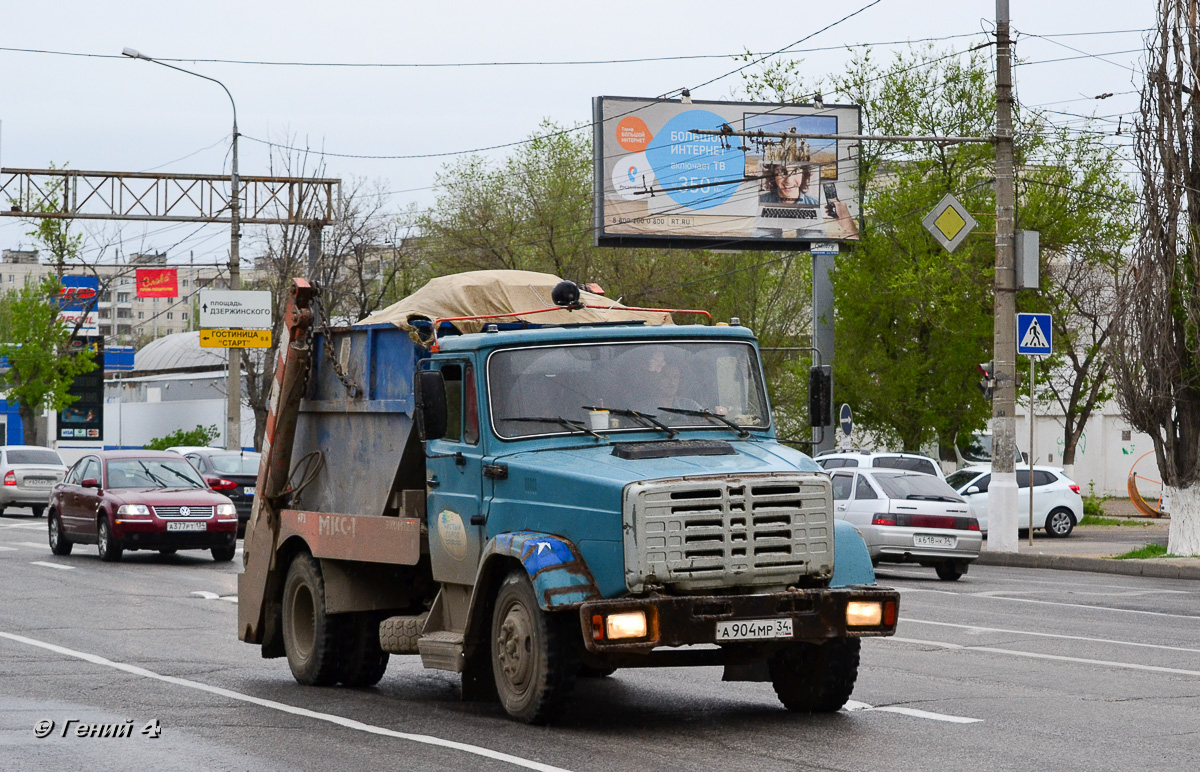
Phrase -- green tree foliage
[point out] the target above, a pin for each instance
(53, 233)
(41, 364)
(914, 321)
(201, 436)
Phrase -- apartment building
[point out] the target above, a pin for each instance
(123, 317)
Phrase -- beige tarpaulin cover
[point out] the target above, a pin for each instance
(501, 292)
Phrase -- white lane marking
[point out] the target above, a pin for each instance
(41, 545)
(229, 598)
(853, 706)
(1053, 657)
(27, 526)
(59, 566)
(206, 595)
(285, 708)
(8, 549)
(1058, 603)
(1050, 635)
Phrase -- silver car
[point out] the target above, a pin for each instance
(27, 473)
(908, 517)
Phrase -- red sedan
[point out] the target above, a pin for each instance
(140, 500)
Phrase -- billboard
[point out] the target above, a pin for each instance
(659, 184)
(157, 283)
(78, 299)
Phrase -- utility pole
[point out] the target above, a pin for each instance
(1002, 492)
(233, 422)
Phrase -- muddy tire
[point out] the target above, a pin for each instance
(59, 543)
(534, 659)
(362, 661)
(816, 678)
(399, 635)
(310, 635)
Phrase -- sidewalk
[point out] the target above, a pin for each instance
(1092, 547)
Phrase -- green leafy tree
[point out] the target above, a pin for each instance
(37, 345)
(913, 321)
(201, 436)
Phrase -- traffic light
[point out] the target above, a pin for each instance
(820, 396)
(987, 383)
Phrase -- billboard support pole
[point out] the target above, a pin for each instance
(822, 326)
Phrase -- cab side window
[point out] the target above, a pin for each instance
(470, 407)
(452, 374)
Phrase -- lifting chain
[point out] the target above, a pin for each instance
(352, 388)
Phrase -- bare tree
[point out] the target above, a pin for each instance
(1156, 365)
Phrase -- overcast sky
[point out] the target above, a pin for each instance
(104, 112)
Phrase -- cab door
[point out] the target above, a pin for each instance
(454, 480)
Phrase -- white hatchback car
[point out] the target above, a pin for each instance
(908, 517)
(1057, 505)
(908, 461)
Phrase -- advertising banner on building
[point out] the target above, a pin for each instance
(84, 418)
(658, 183)
(157, 283)
(78, 299)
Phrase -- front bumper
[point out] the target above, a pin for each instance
(816, 615)
(153, 534)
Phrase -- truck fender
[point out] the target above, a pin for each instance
(560, 577)
(851, 559)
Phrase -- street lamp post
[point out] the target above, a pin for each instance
(233, 412)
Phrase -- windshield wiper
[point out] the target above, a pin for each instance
(645, 418)
(708, 414)
(161, 483)
(182, 476)
(564, 422)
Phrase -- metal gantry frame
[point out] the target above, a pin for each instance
(68, 194)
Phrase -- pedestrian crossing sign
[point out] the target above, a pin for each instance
(1034, 335)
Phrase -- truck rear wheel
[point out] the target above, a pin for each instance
(816, 678)
(533, 654)
(363, 661)
(310, 635)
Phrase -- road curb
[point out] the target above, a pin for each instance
(1097, 565)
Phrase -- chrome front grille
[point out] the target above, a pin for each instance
(751, 530)
(197, 511)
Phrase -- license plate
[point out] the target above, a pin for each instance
(173, 526)
(38, 482)
(925, 540)
(249, 490)
(754, 629)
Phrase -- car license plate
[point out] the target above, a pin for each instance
(174, 526)
(925, 540)
(754, 629)
(249, 490)
(38, 482)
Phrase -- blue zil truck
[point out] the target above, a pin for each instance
(527, 495)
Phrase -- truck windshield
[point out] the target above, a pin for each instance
(615, 386)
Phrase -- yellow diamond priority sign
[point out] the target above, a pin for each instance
(235, 338)
(949, 222)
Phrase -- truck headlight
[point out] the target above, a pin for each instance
(863, 613)
(627, 624)
(226, 510)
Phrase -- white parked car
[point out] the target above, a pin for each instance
(1057, 505)
(27, 473)
(908, 517)
(856, 459)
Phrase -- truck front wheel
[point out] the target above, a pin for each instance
(533, 654)
(310, 635)
(816, 678)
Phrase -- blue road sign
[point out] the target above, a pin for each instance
(1034, 335)
(847, 419)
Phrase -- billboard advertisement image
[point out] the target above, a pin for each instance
(157, 283)
(658, 183)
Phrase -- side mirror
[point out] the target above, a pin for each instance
(972, 489)
(429, 392)
(90, 482)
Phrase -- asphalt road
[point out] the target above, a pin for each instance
(1006, 669)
